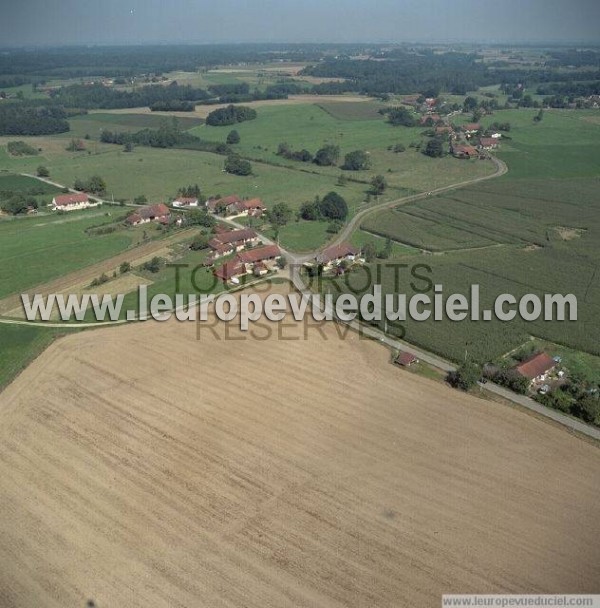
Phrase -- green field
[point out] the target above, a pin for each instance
(37, 249)
(566, 143)
(92, 124)
(23, 184)
(20, 345)
(309, 126)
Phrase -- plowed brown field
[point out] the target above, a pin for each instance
(142, 467)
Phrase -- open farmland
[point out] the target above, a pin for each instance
(40, 248)
(128, 482)
(508, 236)
(311, 126)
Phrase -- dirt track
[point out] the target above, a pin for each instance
(140, 466)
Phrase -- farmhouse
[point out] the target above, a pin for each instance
(185, 201)
(536, 367)
(260, 254)
(230, 271)
(220, 249)
(464, 151)
(336, 253)
(488, 143)
(151, 213)
(233, 205)
(236, 239)
(71, 202)
(471, 128)
(253, 207)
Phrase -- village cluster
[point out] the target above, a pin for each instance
(251, 257)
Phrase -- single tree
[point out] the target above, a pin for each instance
(378, 184)
(42, 171)
(233, 137)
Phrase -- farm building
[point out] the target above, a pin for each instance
(442, 130)
(220, 249)
(404, 359)
(230, 271)
(260, 254)
(185, 202)
(71, 202)
(151, 213)
(336, 253)
(236, 239)
(253, 207)
(464, 151)
(471, 128)
(536, 367)
(233, 205)
(488, 143)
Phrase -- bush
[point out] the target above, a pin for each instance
(465, 377)
(153, 265)
(124, 267)
(42, 171)
(335, 226)
(237, 165)
(356, 161)
(20, 148)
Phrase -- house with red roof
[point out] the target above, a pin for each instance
(230, 271)
(71, 202)
(236, 239)
(464, 151)
(268, 253)
(471, 127)
(336, 253)
(488, 143)
(404, 359)
(536, 368)
(151, 213)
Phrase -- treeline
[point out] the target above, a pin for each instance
(405, 73)
(570, 89)
(21, 119)
(168, 135)
(102, 97)
(173, 105)
(241, 93)
(128, 61)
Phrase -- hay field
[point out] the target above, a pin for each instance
(142, 466)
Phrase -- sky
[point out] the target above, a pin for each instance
(66, 22)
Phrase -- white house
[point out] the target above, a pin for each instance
(71, 202)
(185, 201)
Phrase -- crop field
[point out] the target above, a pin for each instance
(125, 481)
(543, 237)
(91, 124)
(492, 213)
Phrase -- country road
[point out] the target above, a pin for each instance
(296, 260)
